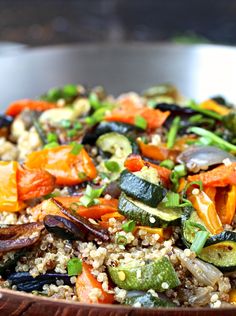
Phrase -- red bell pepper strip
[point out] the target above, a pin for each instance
(18, 106)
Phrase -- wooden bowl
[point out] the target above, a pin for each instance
(14, 303)
(120, 68)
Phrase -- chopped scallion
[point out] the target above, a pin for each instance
(69, 91)
(51, 137)
(121, 239)
(65, 124)
(76, 149)
(169, 164)
(140, 121)
(172, 199)
(172, 134)
(74, 266)
(192, 104)
(178, 172)
(71, 133)
(78, 126)
(112, 166)
(129, 226)
(51, 145)
(199, 241)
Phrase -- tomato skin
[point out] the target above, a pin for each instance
(34, 183)
(63, 164)
(18, 106)
(86, 282)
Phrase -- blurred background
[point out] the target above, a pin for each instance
(41, 22)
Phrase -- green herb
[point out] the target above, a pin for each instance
(169, 164)
(112, 166)
(53, 95)
(71, 133)
(78, 126)
(82, 175)
(51, 145)
(172, 134)
(178, 172)
(199, 241)
(140, 121)
(90, 196)
(196, 118)
(192, 104)
(172, 199)
(70, 91)
(94, 101)
(74, 266)
(65, 124)
(121, 239)
(51, 137)
(129, 226)
(97, 116)
(216, 140)
(76, 149)
(198, 183)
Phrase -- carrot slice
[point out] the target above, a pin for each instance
(86, 282)
(34, 183)
(157, 152)
(214, 106)
(18, 106)
(47, 207)
(206, 211)
(218, 177)
(63, 164)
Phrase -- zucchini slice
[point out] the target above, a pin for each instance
(146, 215)
(140, 189)
(115, 144)
(147, 299)
(220, 250)
(145, 277)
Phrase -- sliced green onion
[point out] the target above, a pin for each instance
(192, 105)
(188, 185)
(78, 126)
(94, 193)
(121, 239)
(112, 166)
(51, 145)
(65, 123)
(171, 137)
(199, 241)
(214, 138)
(172, 199)
(196, 118)
(129, 226)
(74, 266)
(140, 121)
(51, 137)
(178, 172)
(197, 225)
(86, 201)
(94, 101)
(104, 175)
(53, 95)
(71, 133)
(69, 91)
(169, 164)
(76, 149)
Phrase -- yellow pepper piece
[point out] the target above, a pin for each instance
(214, 106)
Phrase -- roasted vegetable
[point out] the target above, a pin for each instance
(17, 107)
(229, 122)
(83, 224)
(63, 227)
(25, 282)
(152, 275)
(15, 237)
(147, 299)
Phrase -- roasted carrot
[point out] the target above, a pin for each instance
(128, 110)
(157, 152)
(211, 192)
(63, 164)
(47, 207)
(135, 163)
(86, 282)
(17, 107)
(206, 211)
(226, 203)
(34, 183)
(218, 177)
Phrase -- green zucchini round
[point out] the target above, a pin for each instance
(141, 190)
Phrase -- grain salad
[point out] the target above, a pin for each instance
(128, 200)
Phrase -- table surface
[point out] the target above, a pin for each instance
(199, 71)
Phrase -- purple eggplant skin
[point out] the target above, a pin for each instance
(25, 282)
(113, 190)
(90, 230)
(63, 228)
(5, 120)
(13, 237)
